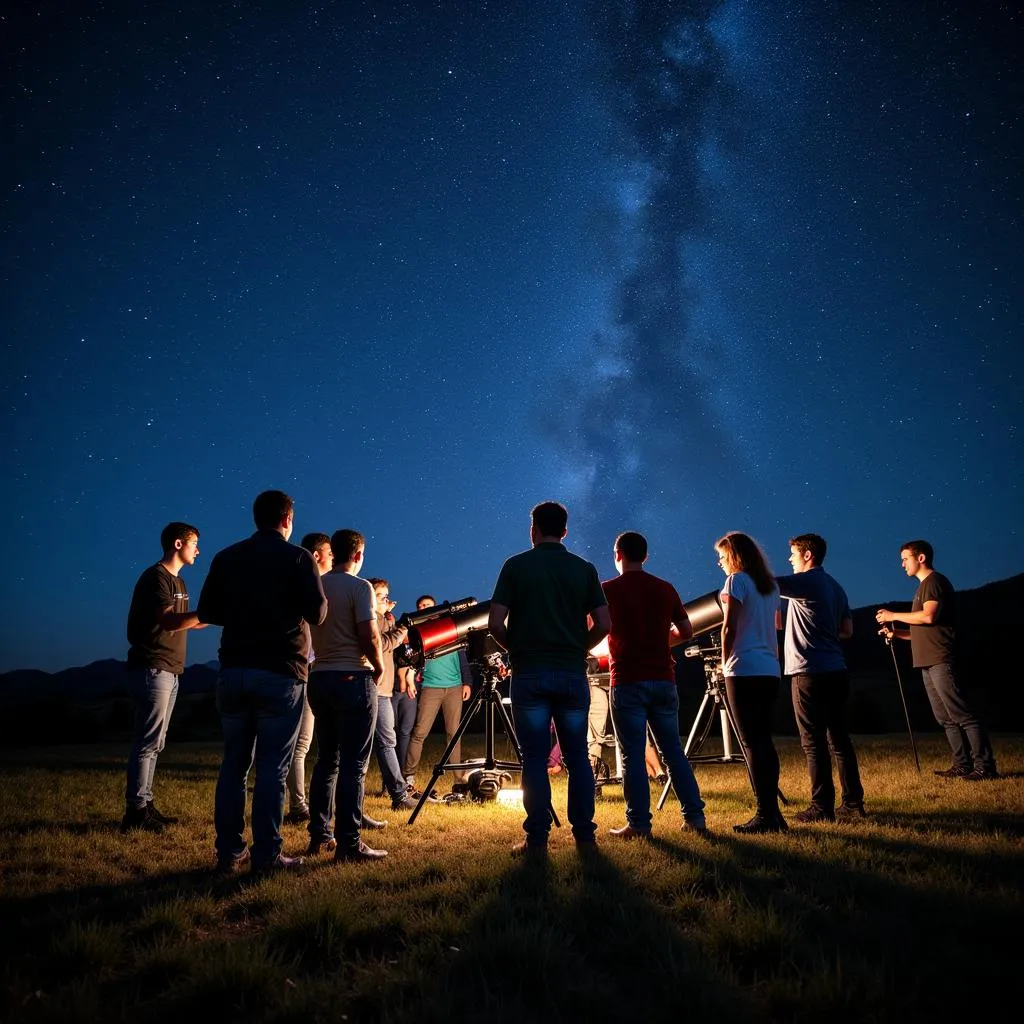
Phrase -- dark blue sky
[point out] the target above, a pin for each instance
(686, 267)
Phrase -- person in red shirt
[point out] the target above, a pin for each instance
(647, 619)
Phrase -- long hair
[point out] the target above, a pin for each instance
(745, 555)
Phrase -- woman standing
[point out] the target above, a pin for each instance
(750, 662)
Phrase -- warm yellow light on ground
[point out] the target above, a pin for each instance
(511, 797)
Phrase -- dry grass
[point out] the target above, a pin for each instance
(913, 914)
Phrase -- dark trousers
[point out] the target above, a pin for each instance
(819, 704)
(752, 699)
(345, 708)
(967, 737)
(405, 719)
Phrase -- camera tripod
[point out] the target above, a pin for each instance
(715, 700)
(488, 698)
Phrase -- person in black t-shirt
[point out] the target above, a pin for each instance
(158, 620)
(932, 634)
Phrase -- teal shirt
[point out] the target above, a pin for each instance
(442, 672)
(549, 592)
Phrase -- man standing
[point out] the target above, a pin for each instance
(446, 683)
(158, 620)
(932, 636)
(265, 592)
(539, 614)
(391, 637)
(343, 695)
(647, 616)
(818, 616)
(319, 546)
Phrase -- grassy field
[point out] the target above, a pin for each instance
(911, 915)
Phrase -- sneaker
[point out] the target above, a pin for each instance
(232, 865)
(524, 848)
(403, 803)
(360, 852)
(760, 824)
(328, 845)
(980, 775)
(298, 817)
(698, 825)
(813, 815)
(369, 822)
(279, 863)
(850, 812)
(628, 832)
(956, 771)
(138, 819)
(417, 796)
(164, 819)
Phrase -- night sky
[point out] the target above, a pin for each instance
(686, 267)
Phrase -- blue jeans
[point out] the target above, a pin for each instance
(405, 719)
(387, 759)
(345, 708)
(297, 771)
(634, 707)
(967, 737)
(538, 697)
(259, 714)
(154, 691)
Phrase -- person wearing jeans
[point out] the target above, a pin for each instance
(548, 611)
(932, 635)
(647, 617)
(818, 618)
(343, 695)
(158, 621)
(265, 593)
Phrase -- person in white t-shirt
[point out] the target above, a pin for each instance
(750, 663)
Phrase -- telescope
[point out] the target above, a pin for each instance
(445, 628)
(704, 612)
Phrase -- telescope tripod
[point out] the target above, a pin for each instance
(715, 700)
(488, 698)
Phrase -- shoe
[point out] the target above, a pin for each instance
(980, 775)
(138, 819)
(416, 795)
(760, 824)
(328, 845)
(525, 848)
(232, 865)
(628, 832)
(697, 825)
(369, 822)
(403, 803)
(849, 812)
(956, 771)
(299, 817)
(279, 863)
(813, 815)
(360, 852)
(164, 819)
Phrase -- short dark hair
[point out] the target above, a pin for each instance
(550, 517)
(632, 545)
(378, 581)
(810, 542)
(425, 597)
(270, 508)
(345, 544)
(176, 531)
(314, 541)
(920, 547)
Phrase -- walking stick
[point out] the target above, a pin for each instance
(903, 700)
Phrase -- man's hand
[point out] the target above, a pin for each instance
(883, 615)
(467, 692)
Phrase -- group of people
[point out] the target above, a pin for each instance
(306, 642)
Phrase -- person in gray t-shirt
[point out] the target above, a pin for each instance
(817, 617)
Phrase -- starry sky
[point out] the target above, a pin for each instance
(686, 267)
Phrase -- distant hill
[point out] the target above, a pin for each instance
(90, 703)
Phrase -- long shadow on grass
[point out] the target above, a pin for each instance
(572, 937)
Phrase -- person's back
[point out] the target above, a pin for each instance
(816, 607)
(642, 608)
